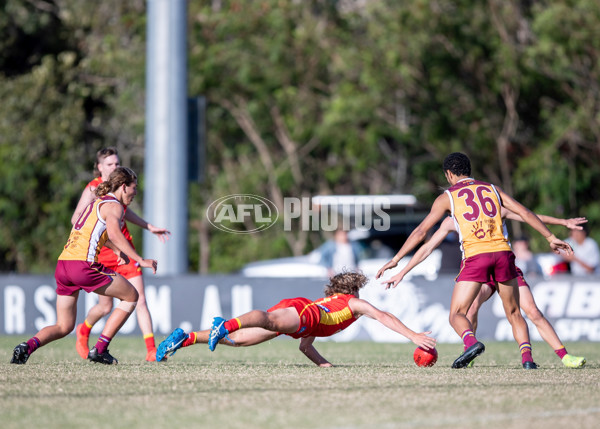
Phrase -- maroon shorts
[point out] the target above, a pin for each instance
(486, 267)
(72, 276)
(309, 314)
(520, 281)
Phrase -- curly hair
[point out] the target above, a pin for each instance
(458, 164)
(346, 283)
(121, 176)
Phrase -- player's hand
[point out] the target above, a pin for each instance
(422, 340)
(390, 264)
(393, 281)
(575, 223)
(149, 263)
(163, 234)
(122, 258)
(559, 245)
(325, 365)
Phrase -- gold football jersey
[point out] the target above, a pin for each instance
(88, 234)
(475, 208)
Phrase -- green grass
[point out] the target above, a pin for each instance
(274, 386)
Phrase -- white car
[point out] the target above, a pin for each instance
(403, 214)
(309, 266)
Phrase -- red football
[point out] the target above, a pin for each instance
(424, 357)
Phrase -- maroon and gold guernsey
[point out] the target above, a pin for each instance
(475, 209)
(107, 257)
(88, 234)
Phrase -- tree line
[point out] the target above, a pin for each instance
(304, 98)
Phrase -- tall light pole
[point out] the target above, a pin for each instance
(165, 169)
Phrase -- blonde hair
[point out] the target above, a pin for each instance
(121, 176)
(346, 283)
(103, 154)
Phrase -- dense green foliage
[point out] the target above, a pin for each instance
(304, 98)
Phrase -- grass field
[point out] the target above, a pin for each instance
(274, 386)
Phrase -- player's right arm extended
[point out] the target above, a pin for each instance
(422, 254)
(306, 347)
(361, 307)
(571, 223)
(112, 214)
(529, 217)
(440, 206)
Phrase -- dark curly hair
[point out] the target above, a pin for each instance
(346, 283)
(458, 164)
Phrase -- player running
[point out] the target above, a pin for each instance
(78, 268)
(475, 207)
(526, 300)
(298, 318)
(107, 160)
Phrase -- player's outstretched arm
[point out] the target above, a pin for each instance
(112, 214)
(306, 347)
(162, 233)
(440, 206)
(571, 223)
(529, 217)
(361, 307)
(424, 251)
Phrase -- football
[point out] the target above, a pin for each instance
(424, 357)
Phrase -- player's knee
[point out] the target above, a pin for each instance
(127, 306)
(141, 301)
(133, 295)
(273, 321)
(515, 316)
(65, 329)
(533, 314)
(104, 308)
(455, 315)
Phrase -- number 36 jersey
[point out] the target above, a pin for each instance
(475, 208)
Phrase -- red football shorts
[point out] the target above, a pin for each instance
(309, 314)
(129, 271)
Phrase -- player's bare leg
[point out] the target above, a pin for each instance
(462, 298)
(101, 309)
(66, 314)
(485, 293)
(241, 338)
(143, 317)
(97, 312)
(509, 294)
(283, 320)
(121, 289)
(244, 337)
(546, 330)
